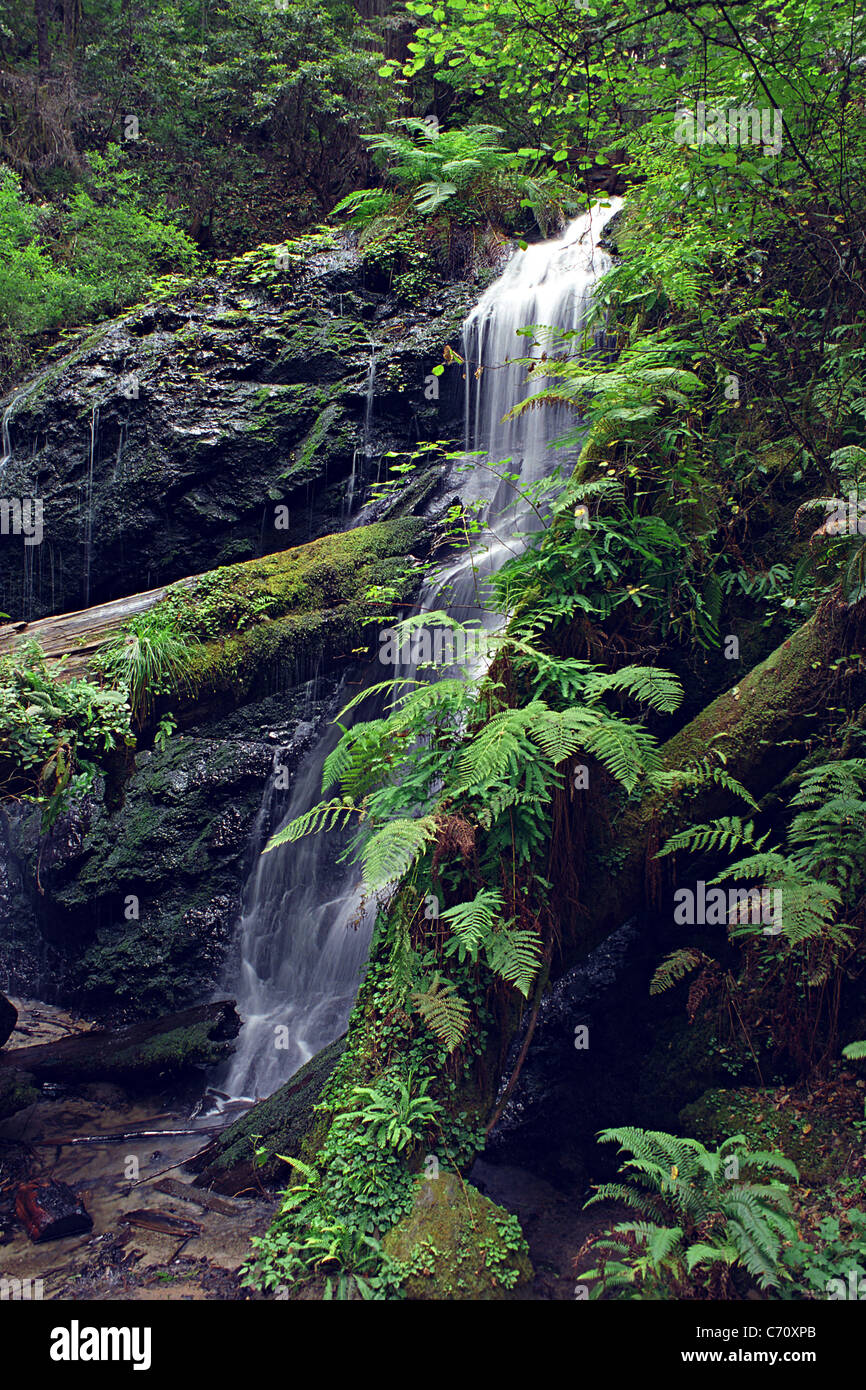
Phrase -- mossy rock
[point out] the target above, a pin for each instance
(279, 1124)
(456, 1244)
(819, 1142)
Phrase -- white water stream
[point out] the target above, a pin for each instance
(304, 930)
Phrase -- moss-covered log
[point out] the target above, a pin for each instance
(290, 610)
(278, 1124)
(139, 1055)
(757, 731)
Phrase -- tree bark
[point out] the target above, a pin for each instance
(762, 727)
(40, 10)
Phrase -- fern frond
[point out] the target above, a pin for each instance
(725, 835)
(393, 849)
(473, 922)
(515, 955)
(660, 690)
(674, 967)
(328, 815)
(446, 1014)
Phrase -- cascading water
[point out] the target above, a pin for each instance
(300, 961)
(5, 432)
(5, 437)
(365, 453)
(88, 503)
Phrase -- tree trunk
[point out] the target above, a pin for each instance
(40, 10)
(761, 726)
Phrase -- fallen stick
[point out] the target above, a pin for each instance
(185, 1192)
(161, 1222)
(129, 1135)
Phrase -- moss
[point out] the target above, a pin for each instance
(456, 1244)
(311, 445)
(287, 607)
(817, 1140)
(279, 1123)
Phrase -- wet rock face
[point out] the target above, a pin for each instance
(582, 1068)
(131, 912)
(218, 425)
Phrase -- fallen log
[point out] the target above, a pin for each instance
(138, 1055)
(758, 731)
(51, 1210)
(127, 1136)
(184, 1192)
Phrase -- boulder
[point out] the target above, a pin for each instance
(456, 1244)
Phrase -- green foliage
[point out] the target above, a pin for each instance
(700, 1218)
(608, 553)
(145, 659)
(398, 775)
(331, 1222)
(397, 1110)
(792, 975)
(34, 291)
(466, 170)
(830, 1263)
(56, 731)
(120, 246)
(103, 250)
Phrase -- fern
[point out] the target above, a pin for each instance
(674, 967)
(392, 850)
(446, 1014)
(698, 1220)
(660, 690)
(514, 953)
(473, 923)
(725, 835)
(328, 815)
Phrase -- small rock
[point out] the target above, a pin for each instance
(50, 1210)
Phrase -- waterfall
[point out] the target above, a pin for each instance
(305, 928)
(5, 436)
(366, 451)
(88, 503)
(6, 440)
